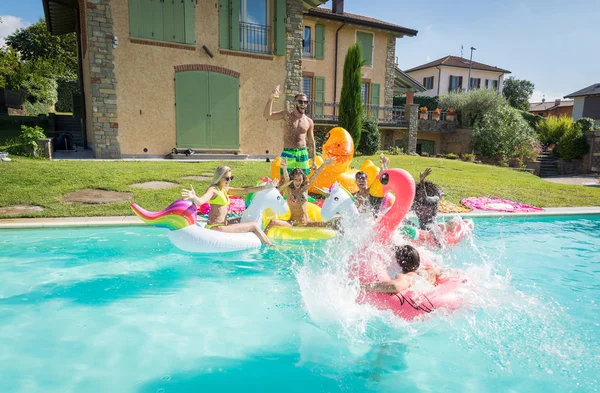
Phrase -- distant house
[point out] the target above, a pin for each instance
(557, 107)
(451, 73)
(586, 102)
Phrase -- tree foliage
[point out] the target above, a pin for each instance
(517, 92)
(35, 42)
(471, 106)
(573, 143)
(504, 131)
(552, 128)
(9, 65)
(429, 102)
(351, 107)
(370, 137)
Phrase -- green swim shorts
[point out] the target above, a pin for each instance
(296, 158)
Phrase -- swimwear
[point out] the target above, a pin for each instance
(222, 199)
(296, 158)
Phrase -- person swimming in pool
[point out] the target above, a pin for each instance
(217, 195)
(295, 188)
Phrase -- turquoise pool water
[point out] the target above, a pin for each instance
(122, 310)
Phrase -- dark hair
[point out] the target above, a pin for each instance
(359, 173)
(432, 189)
(297, 171)
(408, 258)
(299, 95)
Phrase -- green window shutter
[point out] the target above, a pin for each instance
(157, 20)
(168, 18)
(319, 41)
(179, 20)
(365, 40)
(319, 95)
(190, 30)
(234, 24)
(140, 18)
(375, 89)
(280, 15)
(224, 30)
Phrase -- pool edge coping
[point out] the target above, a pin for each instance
(120, 221)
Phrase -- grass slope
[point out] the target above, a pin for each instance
(43, 183)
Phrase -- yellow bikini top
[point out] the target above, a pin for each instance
(222, 199)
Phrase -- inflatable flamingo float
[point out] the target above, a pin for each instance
(408, 305)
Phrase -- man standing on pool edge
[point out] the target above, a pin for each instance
(298, 130)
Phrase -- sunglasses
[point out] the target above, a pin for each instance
(304, 102)
(228, 178)
(361, 178)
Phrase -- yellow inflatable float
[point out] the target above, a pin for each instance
(339, 145)
(298, 233)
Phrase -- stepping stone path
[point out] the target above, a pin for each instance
(198, 178)
(19, 209)
(209, 174)
(95, 197)
(155, 185)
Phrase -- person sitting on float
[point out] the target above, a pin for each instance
(365, 202)
(295, 188)
(217, 195)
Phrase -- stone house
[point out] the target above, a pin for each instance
(164, 74)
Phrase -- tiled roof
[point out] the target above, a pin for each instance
(360, 20)
(548, 105)
(455, 61)
(588, 91)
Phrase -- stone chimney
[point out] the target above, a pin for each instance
(337, 7)
(557, 102)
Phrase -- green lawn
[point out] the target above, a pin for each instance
(43, 183)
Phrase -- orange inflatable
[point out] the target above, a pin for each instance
(339, 145)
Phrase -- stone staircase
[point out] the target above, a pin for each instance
(548, 164)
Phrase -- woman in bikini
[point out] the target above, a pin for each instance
(217, 195)
(296, 193)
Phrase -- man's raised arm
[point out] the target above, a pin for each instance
(268, 113)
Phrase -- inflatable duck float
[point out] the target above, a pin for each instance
(340, 146)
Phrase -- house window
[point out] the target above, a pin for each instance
(475, 83)
(255, 32)
(491, 84)
(307, 42)
(455, 83)
(364, 93)
(365, 40)
(428, 83)
(171, 21)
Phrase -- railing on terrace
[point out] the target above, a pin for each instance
(327, 113)
(308, 49)
(255, 38)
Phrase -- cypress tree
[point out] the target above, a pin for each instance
(351, 108)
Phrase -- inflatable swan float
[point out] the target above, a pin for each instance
(186, 234)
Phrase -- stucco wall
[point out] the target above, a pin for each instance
(146, 88)
(431, 136)
(346, 37)
(578, 107)
(444, 78)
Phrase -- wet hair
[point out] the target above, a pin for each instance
(297, 171)
(431, 190)
(359, 173)
(408, 258)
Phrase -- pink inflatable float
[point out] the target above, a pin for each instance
(408, 305)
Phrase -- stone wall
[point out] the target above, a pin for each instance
(390, 73)
(105, 126)
(294, 30)
(456, 142)
(437, 126)
(410, 137)
(591, 161)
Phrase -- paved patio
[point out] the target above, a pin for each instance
(579, 180)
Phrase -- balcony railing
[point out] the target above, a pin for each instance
(308, 49)
(255, 38)
(327, 113)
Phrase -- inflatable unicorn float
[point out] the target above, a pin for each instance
(189, 235)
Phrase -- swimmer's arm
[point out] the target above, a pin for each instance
(247, 190)
(316, 173)
(191, 195)
(393, 286)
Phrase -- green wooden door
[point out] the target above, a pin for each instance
(193, 109)
(224, 111)
(426, 146)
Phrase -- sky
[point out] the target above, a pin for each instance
(552, 43)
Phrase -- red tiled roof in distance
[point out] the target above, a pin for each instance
(455, 61)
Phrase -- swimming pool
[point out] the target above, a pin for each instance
(122, 310)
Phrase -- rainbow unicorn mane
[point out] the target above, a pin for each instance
(178, 215)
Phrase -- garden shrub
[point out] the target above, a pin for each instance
(504, 132)
(370, 137)
(471, 106)
(429, 102)
(586, 124)
(395, 151)
(532, 119)
(573, 144)
(26, 144)
(552, 128)
(451, 156)
(65, 91)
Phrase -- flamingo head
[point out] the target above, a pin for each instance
(401, 184)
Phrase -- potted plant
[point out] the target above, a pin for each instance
(450, 113)
(435, 115)
(423, 113)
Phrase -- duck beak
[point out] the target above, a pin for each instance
(376, 189)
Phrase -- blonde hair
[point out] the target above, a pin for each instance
(220, 172)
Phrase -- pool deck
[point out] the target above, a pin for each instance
(24, 223)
